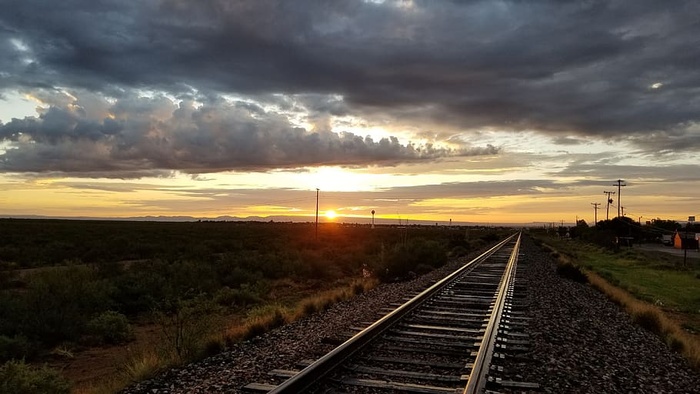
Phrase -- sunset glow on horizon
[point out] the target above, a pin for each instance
(432, 111)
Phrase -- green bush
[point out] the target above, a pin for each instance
(139, 289)
(59, 301)
(233, 273)
(245, 296)
(109, 327)
(18, 377)
(422, 269)
(458, 251)
(12, 310)
(405, 258)
(186, 326)
(17, 347)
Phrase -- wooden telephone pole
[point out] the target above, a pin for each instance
(595, 212)
(619, 183)
(317, 213)
(609, 200)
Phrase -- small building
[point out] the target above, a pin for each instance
(683, 240)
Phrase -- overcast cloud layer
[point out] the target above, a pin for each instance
(608, 69)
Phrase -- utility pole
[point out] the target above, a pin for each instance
(595, 212)
(609, 200)
(619, 184)
(317, 189)
(691, 220)
(623, 211)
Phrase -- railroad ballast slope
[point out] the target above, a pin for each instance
(584, 343)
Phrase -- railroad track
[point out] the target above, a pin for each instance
(448, 339)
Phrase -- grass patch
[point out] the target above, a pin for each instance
(652, 276)
(653, 319)
(144, 363)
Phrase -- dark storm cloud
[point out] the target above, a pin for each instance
(140, 135)
(580, 68)
(657, 173)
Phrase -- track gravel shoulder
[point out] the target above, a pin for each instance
(584, 343)
(581, 342)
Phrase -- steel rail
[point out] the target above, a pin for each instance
(478, 377)
(310, 375)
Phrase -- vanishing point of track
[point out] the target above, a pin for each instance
(444, 340)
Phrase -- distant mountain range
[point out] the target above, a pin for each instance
(296, 219)
(283, 219)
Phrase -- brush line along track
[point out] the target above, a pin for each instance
(441, 341)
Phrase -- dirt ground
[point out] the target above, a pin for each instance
(88, 366)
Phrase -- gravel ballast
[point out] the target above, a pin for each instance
(581, 342)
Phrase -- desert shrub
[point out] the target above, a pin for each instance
(109, 269)
(11, 313)
(422, 269)
(186, 326)
(59, 301)
(245, 296)
(252, 265)
(315, 264)
(18, 377)
(9, 253)
(8, 273)
(17, 347)
(490, 237)
(183, 275)
(109, 327)
(458, 251)
(404, 258)
(139, 289)
(477, 244)
(233, 275)
(572, 272)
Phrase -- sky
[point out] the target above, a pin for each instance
(474, 111)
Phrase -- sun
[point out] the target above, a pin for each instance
(331, 214)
